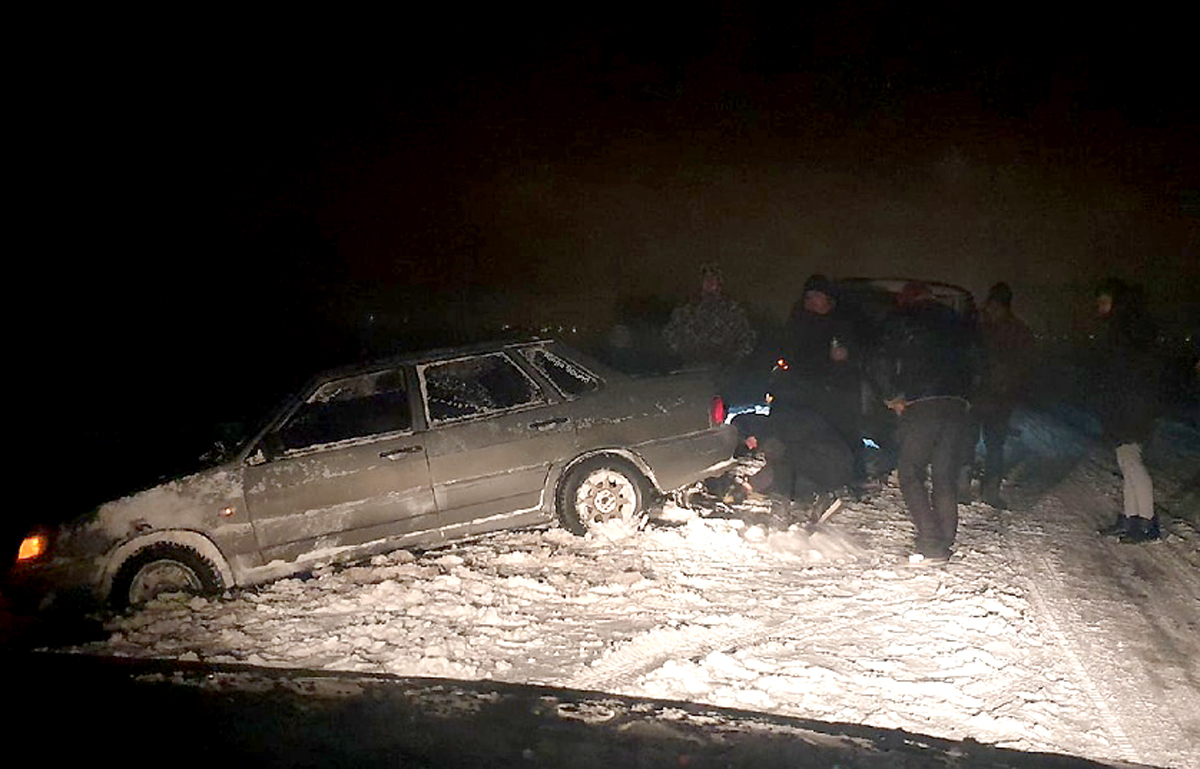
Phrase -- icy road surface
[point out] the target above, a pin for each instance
(1039, 635)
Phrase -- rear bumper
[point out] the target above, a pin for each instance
(683, 460)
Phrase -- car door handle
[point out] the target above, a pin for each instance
(548, 423)
(397, 453)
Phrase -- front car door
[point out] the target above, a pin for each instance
(345, 469)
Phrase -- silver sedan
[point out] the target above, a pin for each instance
(412, 452)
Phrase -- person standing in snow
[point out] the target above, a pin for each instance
(710, 330)
(825, 353)
(927, 373)
(1007, 352)
(1126, 389)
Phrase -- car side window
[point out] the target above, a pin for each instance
(570, 378)
(354, 407)
(468, 387)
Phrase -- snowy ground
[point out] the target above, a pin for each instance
(1038, 635)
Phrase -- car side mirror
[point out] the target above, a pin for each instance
(272, 446)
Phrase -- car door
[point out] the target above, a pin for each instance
(345, 468)
(494, 435)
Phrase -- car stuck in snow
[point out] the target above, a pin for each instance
(415, 451)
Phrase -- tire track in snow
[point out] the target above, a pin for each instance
(1109, 720)
(624, 666)
(695, 570)
(1058, 605)
(1040, 571)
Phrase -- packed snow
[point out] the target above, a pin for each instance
(1039, 634)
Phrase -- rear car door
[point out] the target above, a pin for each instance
(495, 433)
(343, 469)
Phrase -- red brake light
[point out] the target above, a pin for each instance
(717, 413)
(782, 364)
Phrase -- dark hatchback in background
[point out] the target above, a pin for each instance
(416, 451)
(869, 300)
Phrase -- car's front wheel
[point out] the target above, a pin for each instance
(165, 567)
(602, 491)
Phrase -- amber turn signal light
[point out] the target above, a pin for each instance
(33, 546)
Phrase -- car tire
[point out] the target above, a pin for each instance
(163, 568)
(602, 490)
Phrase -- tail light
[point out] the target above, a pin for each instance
(716, 414)
(782, 365)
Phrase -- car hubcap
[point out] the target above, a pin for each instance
(606, 495)
(162, 577)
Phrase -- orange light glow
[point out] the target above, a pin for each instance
(227, 511)
(33, 546)
(782, 364)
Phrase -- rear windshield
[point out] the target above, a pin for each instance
(570, 378)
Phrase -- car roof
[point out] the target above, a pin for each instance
(426, 356)
(377, 364)
(410, 358)
(957, 297)
(895, 285)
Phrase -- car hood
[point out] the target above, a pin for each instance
(197, 502)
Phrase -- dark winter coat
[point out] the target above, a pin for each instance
(1007, 354)
(928, 351)
(803, 441)
(810, 336)
(1125, 376)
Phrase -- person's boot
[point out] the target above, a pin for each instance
(1140, 530)
(780, 515)
(823, 507)
(1117, 528)
(735, 495)
(964, 486)
(989, 492)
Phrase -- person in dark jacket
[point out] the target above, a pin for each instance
(1007, 352)
(1126, 388)
(928, 371)
(825, 354)
(805, 458)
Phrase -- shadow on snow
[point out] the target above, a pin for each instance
(198, 714)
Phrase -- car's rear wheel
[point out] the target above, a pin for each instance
(602, 491)
(163, 568)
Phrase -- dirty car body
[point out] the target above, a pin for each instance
(411, 452)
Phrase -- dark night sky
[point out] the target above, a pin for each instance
(259, 192)
(600, 159)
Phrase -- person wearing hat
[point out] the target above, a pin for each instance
(824, 353)
(1125, 380)
(1007, 352)
(928, 350)
(710, 330)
